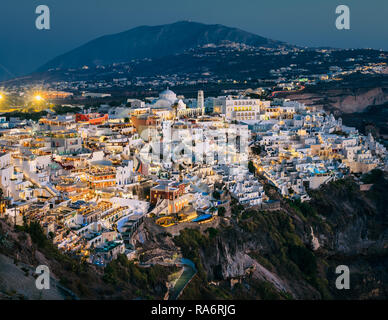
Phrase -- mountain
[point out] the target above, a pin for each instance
(153, 42)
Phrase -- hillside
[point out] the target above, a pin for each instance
(354, 94)
(153, 42)
(22, 249)
(289, 253)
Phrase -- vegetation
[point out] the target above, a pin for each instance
(120, 278)
(251, 167)
(115, 103)
(191, 241)
(26, 115)
(212, 232)
(374, 176)
(148, 280)
(256, 150)
(49, 249)
(59, 109)
(304, 259)
(283, 238)
(303, 209)
(340, 133)
(216, 195)
(221, 211)
(277, 240)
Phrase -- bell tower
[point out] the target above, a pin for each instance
(201, 102)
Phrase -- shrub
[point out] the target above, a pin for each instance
(221, 211)
(304, 259)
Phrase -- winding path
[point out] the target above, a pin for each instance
(188, 273)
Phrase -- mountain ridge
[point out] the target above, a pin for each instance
(153, 42)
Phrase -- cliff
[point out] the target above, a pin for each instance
(24, 248)
(292, 253)
(346, 100)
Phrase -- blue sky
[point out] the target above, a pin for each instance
(73, 22)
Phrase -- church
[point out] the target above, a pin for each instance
(168, 106)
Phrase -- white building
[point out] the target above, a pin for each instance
(243, 108)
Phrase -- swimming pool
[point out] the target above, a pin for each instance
(202, 217)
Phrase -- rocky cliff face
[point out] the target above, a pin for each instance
(357, 100)
(297, 249)
(243, 262)
(290, 253)
(344, 100)
(24, 248)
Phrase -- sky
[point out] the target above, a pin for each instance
(23, 48)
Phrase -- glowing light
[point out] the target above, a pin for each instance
(1, 97)
(38, 97)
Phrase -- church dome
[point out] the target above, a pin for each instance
(161, 103)
(168, 95)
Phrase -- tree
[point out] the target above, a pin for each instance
(373, 176)
(256, 150)
(221, 211)
(304, 259)
(216, 195)
(115, 103)
(251, 167)
(2, 204)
